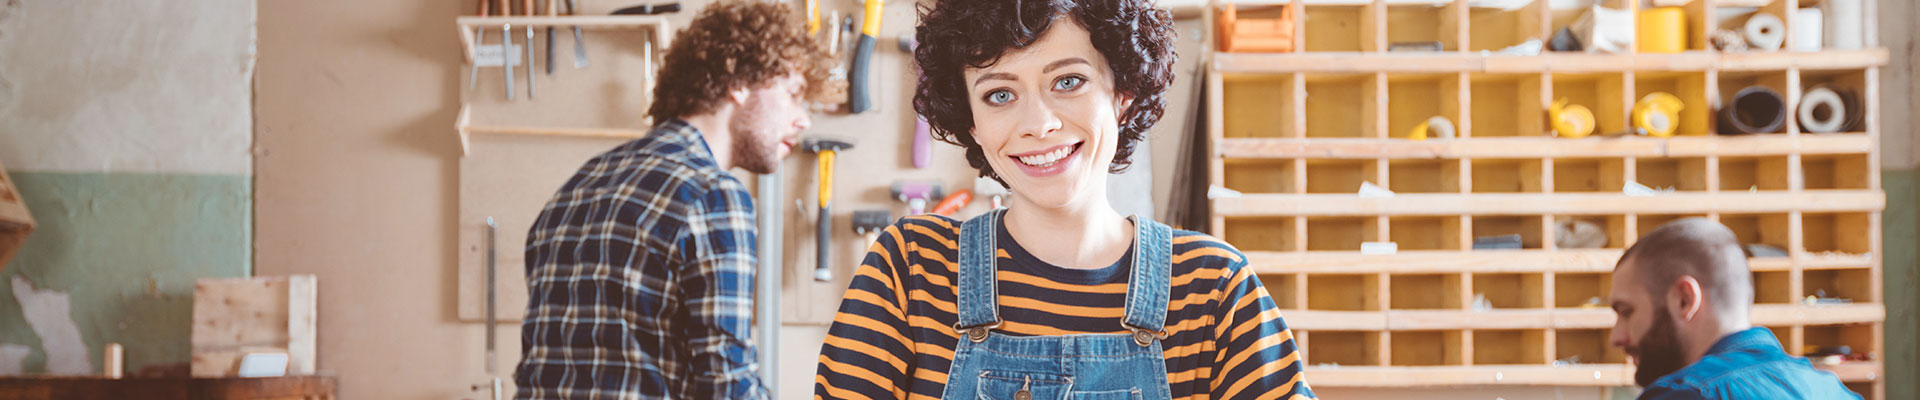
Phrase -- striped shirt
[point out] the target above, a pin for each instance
(640, 279)
(894, 339)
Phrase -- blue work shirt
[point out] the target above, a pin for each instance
(1749, 365)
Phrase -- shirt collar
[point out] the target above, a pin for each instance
(1756, 338)
(679, 130)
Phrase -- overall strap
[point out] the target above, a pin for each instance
(1152, 279)
(978, 296)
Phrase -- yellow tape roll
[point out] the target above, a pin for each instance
(1572, 121)
(1658, 114)
(1663, 30)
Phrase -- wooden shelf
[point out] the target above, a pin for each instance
(1351, 62)
(1499, 261)
(466, 131)
(1542, 147)
(1552, 318)
(1570, 375)
(662, 30)
(1273, 205)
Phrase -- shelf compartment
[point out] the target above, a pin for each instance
(1529, 228)
(1493, 29)
(1343, 292)
(1426, 348)
(1343, 28)
(1772, 287)
(1860, 337)
(1340, 176)
(1280, 176)
(1506, 291)
(1542, 203)
(1558, 62)
(1569, 235)
(1510, 347)
(1732, 82)
(1425, 292)
(1506, 175)
(1644, 224)
(1342, 348)
(1740, 174)
(1277, 234)
(1602, 92)
(1690, 86)
(1575, 175)
(1284, 288)
(1424, 23)
(1767, 229)
(1576, 290)
(1412, 99)
(1849, 84)
(1590, 345)
(1423, 176)
(1341, 233)
(1414, 233)
(1343, 105)
(1838, 171)
(1851, 284)
(1687, 174)
(1785, 335)
(1259, 106)
(1506, 105)
(1837, 233)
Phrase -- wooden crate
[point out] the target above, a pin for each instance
(1411, 318)
(15, 222)
(236, 316)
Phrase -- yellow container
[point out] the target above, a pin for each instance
(1662, 30)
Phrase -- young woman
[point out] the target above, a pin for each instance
(1058, 296)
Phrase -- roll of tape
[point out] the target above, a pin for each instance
(1806, 29)
(1765, 32)
(1821, 111)
(1658, 114)
(1440, 127)
(1845, 19)
(1755, 109)
(1663, 30)
(1572, 121)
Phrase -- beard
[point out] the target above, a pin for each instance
(756, 152)
(1658, 351)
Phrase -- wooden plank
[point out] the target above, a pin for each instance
(1318, 205)
(91, 388)
(1449, 261)
(236, 316)
(1554, 318)
(1352, 62)
(1569, 375)
(1540, 146)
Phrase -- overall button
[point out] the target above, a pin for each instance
(977, 334)
(1023, 394)
(1143, 338)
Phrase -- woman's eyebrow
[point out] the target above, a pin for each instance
(1063, 63)
(995, 75)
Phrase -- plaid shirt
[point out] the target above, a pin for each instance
(640, 279)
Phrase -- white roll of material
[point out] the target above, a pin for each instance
(1845, 22)
(1765, 32)
(1440, 127)
(1822, 99)
(1807, 29)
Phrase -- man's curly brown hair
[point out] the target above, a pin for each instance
(1134, 36)
(734, 44)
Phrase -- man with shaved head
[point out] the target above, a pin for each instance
(1682, 294)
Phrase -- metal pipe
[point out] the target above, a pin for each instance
(768, 298)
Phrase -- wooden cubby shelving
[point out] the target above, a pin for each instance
(1440, 313)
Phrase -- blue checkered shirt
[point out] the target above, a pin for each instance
(640, 279)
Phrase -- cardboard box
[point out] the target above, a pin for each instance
(236, 316)
(15, 222)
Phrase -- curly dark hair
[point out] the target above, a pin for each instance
(730, 45)
(1135, 37)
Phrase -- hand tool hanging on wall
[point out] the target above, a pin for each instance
(922, 133)
(506, 50)
(870, 223)
(825, 149)
(953, 203)
(1755, 109)
(526, 6)
(649, 9)
(579, 45)
(861, 80)
(916, 195)
(992, 190)
(479, 35)
(551, 13)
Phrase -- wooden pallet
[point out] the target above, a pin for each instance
(1408, 319)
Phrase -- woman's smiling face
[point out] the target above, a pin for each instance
(1047, 117)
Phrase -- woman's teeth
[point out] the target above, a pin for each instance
(1043, 160)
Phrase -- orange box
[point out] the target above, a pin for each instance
(1254, 35)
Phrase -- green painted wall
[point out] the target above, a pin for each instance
(127, 249)
(1901, 241)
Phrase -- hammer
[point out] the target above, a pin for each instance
(916, 195)
(825, 148)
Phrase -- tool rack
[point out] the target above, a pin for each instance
(1409, 318)
(658, 30)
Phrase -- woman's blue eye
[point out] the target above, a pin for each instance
(1069, 83)
(999, 97)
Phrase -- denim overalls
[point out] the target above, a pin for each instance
(1094, 366)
